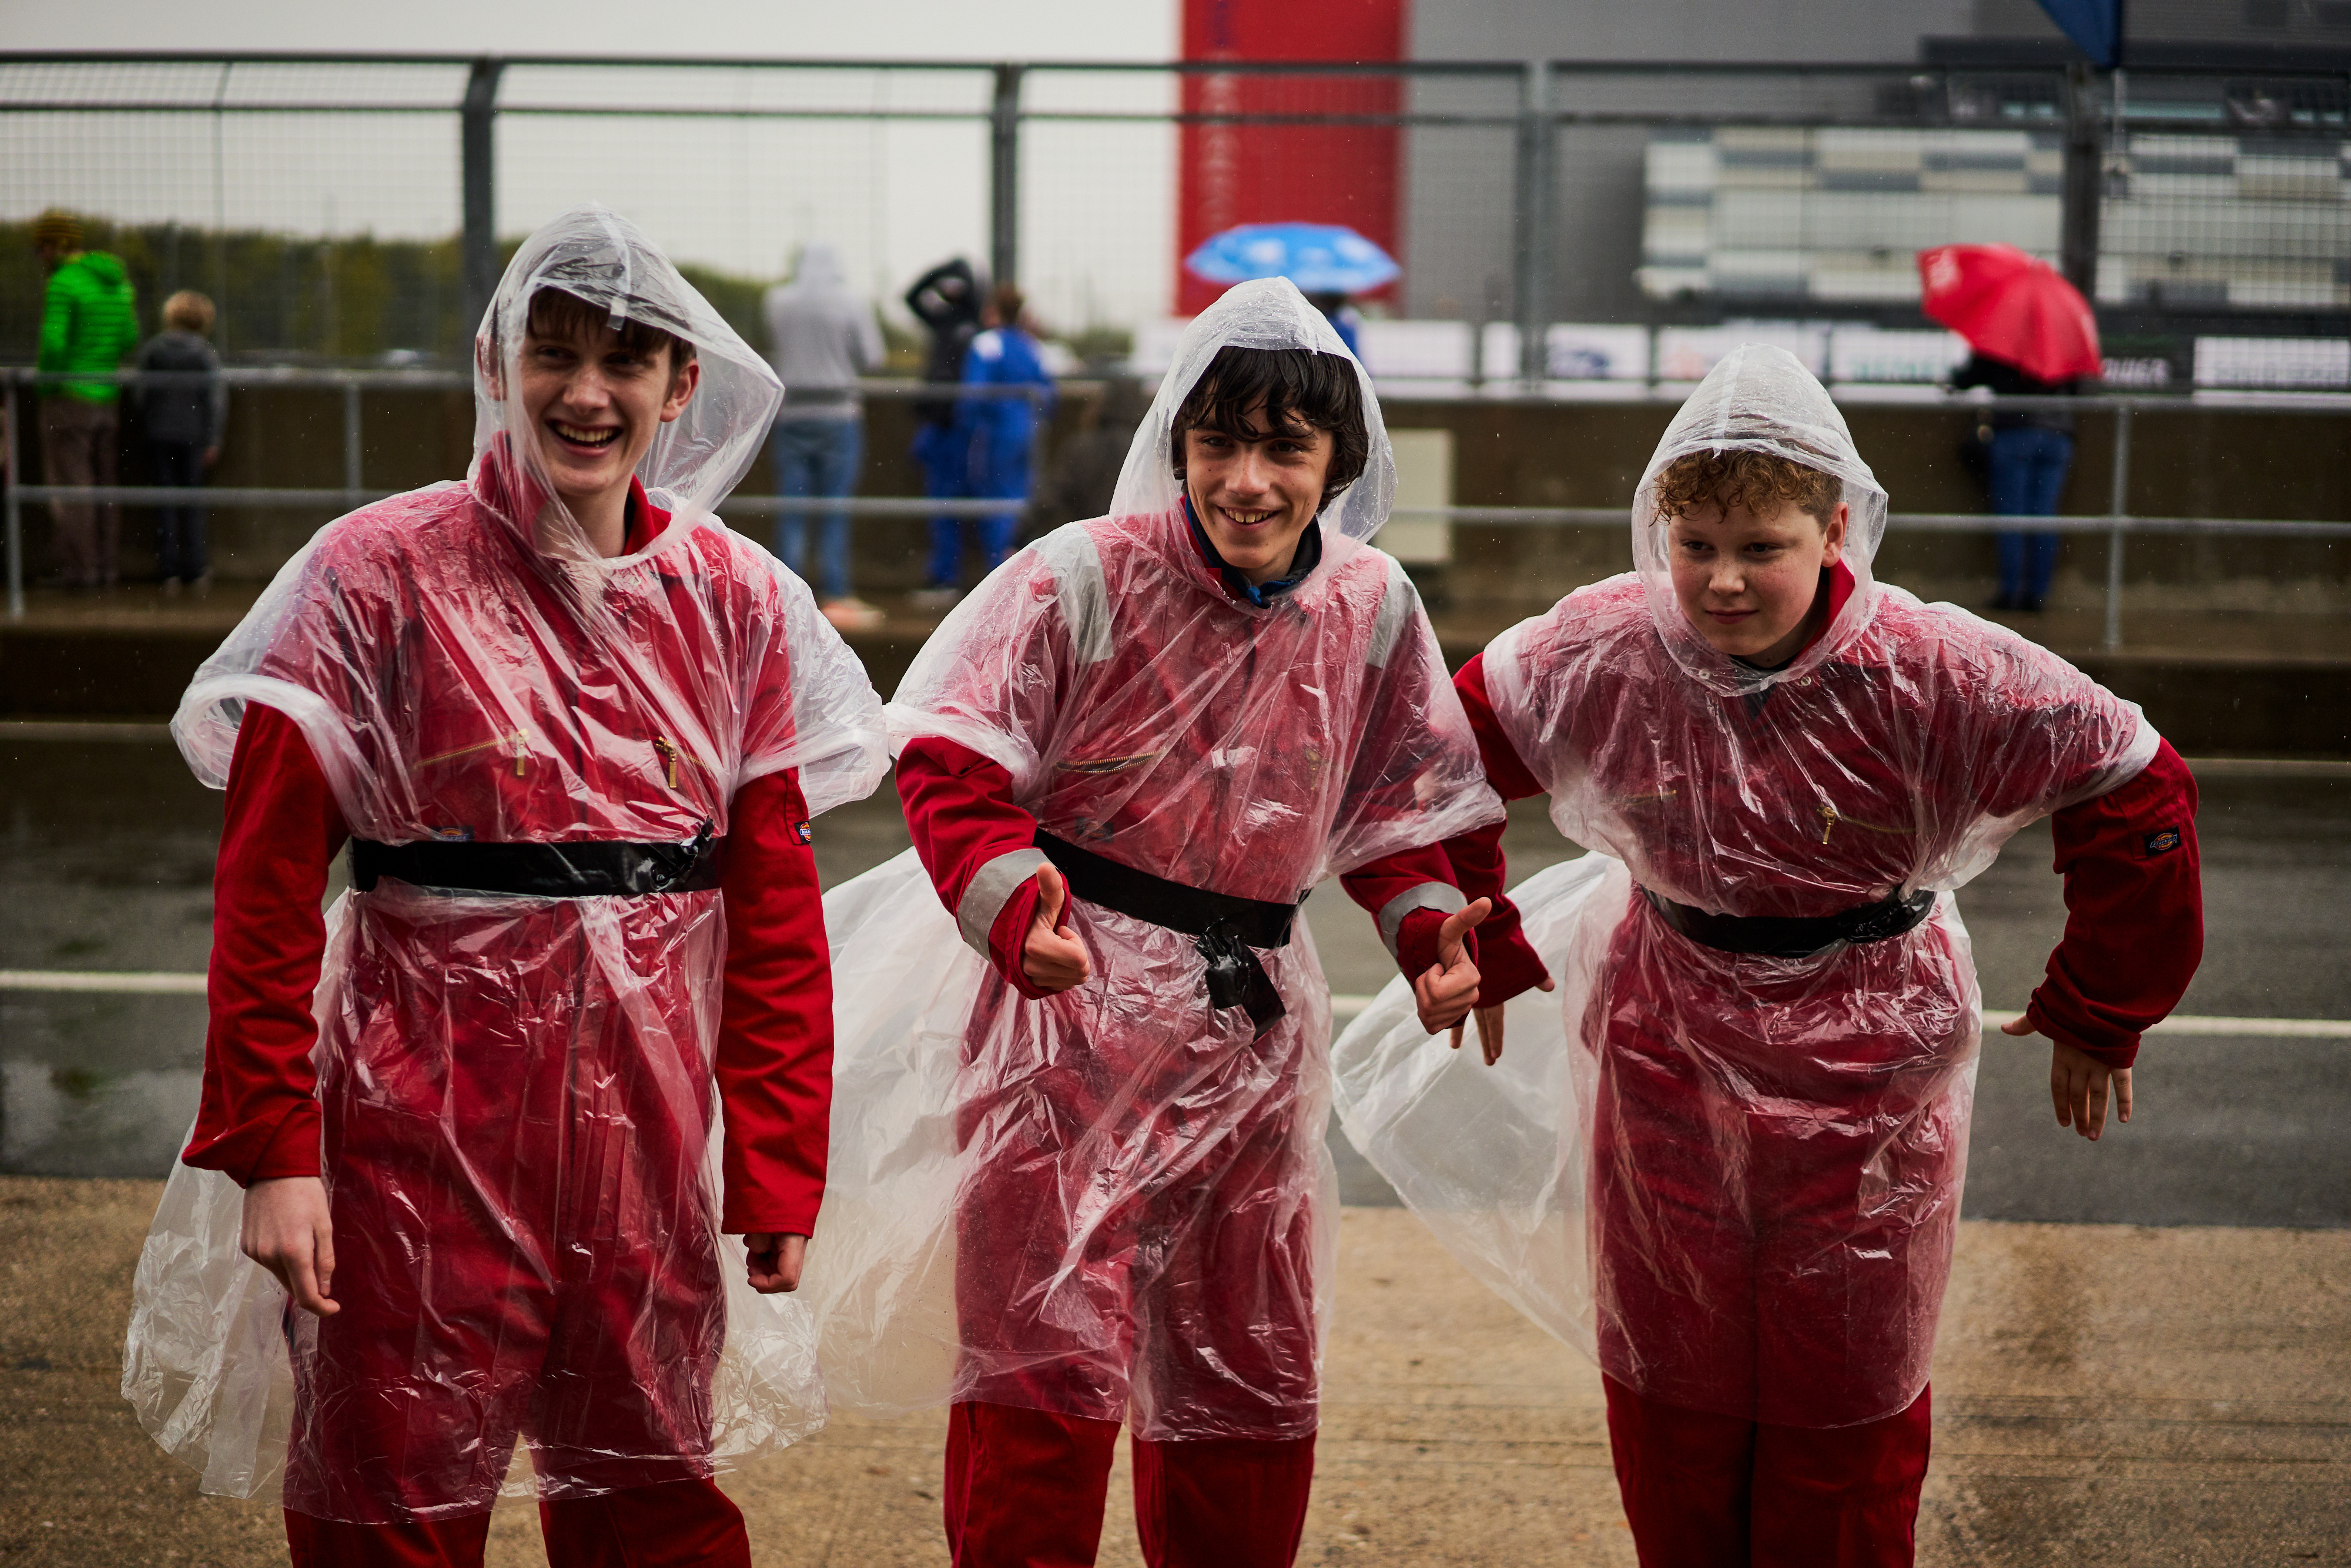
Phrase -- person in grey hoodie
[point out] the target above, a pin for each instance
(181, 420)
(822, 336)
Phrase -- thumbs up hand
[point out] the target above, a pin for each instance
(1448, 990)
(1051, 956)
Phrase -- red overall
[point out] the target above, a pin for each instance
(513, 1097)
(1143, 1234)
(1776, 1146)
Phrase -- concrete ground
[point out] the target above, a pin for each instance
(2105, 1394)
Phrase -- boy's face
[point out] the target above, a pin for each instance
(596, 404)
(1747, 581)
(1255, 492)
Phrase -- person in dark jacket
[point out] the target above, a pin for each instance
(947, 299)
(2030, 453)
(181, 420)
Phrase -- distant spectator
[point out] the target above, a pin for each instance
(2030, 455)
(1000, 432)
(89, 324)
(947, 300)
(182, 421)
(1084, 473)
(823, 338)
(1344, 318)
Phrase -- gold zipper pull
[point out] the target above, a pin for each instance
(661, 744)
(1828, 819)
(522, 752)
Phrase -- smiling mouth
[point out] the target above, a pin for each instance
(1250, 519)
(580, 435)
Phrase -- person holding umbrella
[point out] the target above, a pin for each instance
(1329, 262)
(2032, 335)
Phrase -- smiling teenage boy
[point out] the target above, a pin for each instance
(1123, 760)
(573, 730)
(1771, 1008)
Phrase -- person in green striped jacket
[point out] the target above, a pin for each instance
(89, 322)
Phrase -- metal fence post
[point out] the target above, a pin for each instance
(2118, 516)
(1004, 177)
(1532, 229)
(479, 253)
(2085, 182)
(351, 437)
(15, 479)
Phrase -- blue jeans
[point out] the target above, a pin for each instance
(818, 458)
(945, 454)
(2028, 473)
(178, 529)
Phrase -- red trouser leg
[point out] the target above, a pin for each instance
(1222, 1502)
(678, 1524)
(1713, 1491)
(1685, 1478)
(1846, 1497)
(1025, 1488)
(414, 1543)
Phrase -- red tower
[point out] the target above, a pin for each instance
(1344, 173)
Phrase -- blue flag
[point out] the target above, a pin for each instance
(2095, 26)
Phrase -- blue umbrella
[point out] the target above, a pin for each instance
(1320, 258)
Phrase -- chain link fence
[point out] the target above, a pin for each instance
(345, 209)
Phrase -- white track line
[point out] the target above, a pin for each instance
(152, 983)
(1343, 1004)
(1346, 1005)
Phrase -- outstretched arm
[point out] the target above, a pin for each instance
(2134, 935)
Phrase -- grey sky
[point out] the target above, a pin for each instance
(735, 193)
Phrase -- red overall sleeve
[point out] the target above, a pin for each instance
(1507, 963)
(1374, 882)
(2135, 913)
(775, 1030)
(961, 815)
(257, 1119)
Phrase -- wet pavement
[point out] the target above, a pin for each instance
(108, 847)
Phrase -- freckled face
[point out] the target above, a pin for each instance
(1747, 581)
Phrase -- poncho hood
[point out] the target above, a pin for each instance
(1265, 313)
(595, 255)
(1760, 399)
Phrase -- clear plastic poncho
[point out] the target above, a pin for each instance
(521, 1138)
(1114, 1202)
(1734, 1179)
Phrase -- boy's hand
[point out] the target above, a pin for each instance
(1446, 993)
(1051, 956)
(2079, 1084)
(1490, 1025)
(289, 1230)
(775, 1261)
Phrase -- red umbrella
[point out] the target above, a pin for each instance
(2011, 306)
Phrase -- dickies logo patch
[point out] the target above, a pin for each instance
(2161, 841)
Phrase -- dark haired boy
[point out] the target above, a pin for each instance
(472, 1125)
(1122, 760)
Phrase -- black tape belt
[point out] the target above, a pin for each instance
(1774, 937)
(595, 868)
(1223, 928)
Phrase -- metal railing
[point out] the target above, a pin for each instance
(2117, 523)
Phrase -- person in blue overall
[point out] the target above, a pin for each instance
(947, 299)
(1000, 432)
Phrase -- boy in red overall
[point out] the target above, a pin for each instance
(1123, 760)
(573, 730)
(1769, 1010)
